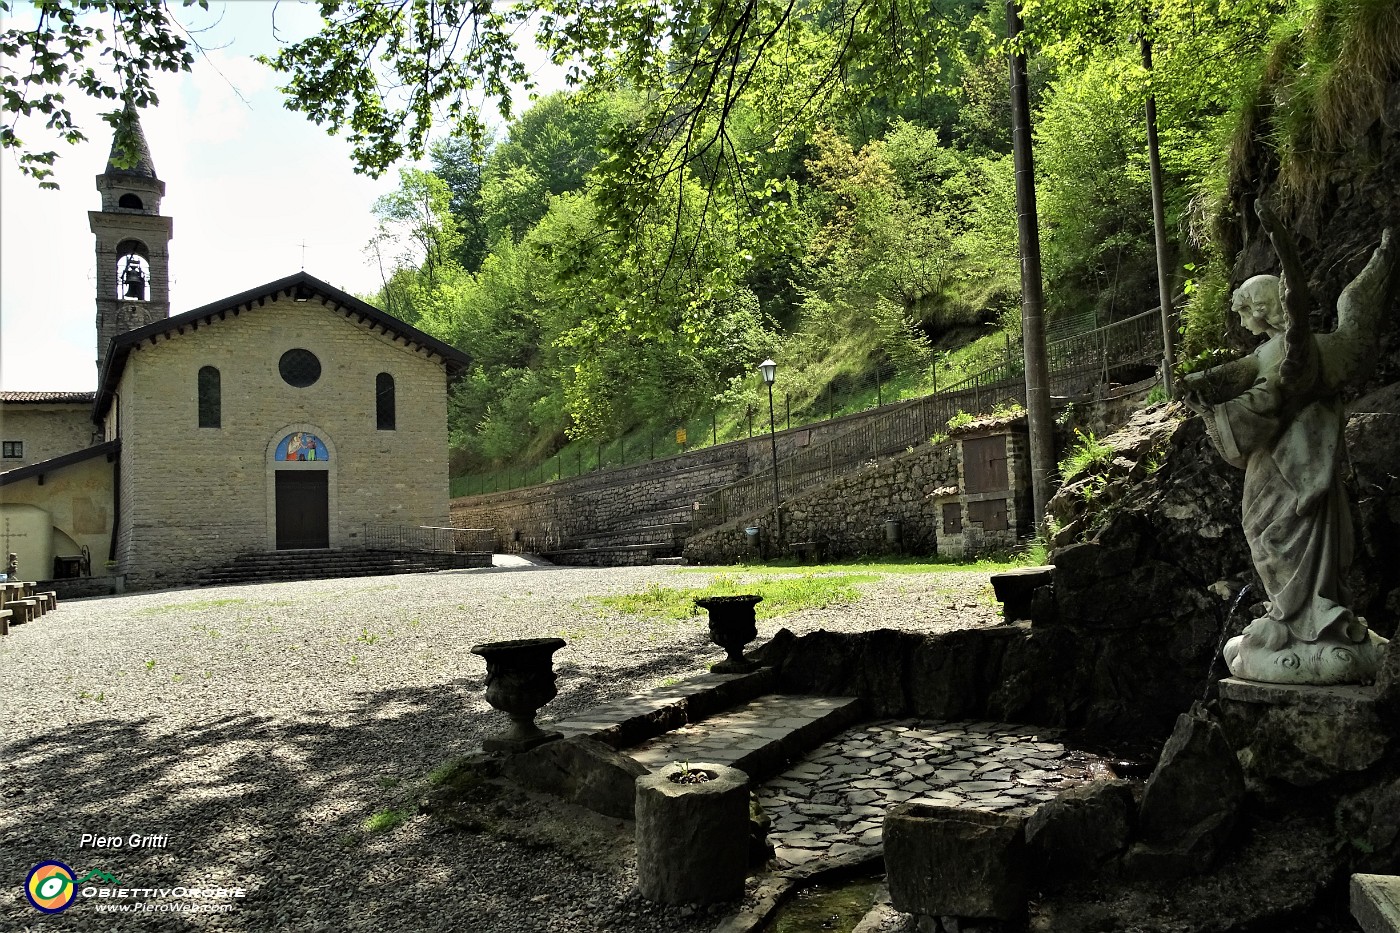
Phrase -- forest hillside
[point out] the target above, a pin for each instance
(871, 250)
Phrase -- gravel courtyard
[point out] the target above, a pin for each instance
(258, 728)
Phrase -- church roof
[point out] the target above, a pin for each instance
(143, 166)
(301, 287)
(70, 398)
(109, 448)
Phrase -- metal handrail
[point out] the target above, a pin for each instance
(433, 539)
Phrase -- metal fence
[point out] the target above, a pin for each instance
(429, 539)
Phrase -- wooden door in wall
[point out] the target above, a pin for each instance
(303, 513)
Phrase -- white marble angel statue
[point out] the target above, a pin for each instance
(1277, 414)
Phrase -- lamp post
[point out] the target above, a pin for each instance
(770, 375)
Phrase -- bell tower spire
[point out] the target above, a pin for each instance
(133, 241)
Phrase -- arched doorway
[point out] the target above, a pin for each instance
(302, 464)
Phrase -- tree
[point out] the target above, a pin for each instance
(64, 49)
(416, 224)
(458, 161)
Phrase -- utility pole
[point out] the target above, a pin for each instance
(1042, 438)
(1159, 224)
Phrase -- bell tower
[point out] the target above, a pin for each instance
(133, 245)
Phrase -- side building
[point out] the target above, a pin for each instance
(36, 426)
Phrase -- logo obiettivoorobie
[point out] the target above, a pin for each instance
(50, 887)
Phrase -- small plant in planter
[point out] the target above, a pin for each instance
(685, 774)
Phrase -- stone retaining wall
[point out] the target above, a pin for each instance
(847, 518)
(549, 515)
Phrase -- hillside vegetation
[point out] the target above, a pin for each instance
(870, 250)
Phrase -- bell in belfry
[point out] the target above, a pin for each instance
(134, 279)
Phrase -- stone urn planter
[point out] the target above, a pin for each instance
(732, 626)
(692, 835)
(519, 680)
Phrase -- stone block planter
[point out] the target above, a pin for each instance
(692, 838)
(954, 862)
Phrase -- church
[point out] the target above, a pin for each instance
(290, 416)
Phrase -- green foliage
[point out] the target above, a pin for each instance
(961, 420)
(1091, 157)
(1329, 67)
(65, 47)
(1089, 454)
(1204, 360)
(386, 821)
(458, 161)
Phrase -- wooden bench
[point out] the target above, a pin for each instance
(23, 604)
(5, 621)
(25, 610)
(808, 552)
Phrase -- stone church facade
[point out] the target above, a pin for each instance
(288, 417)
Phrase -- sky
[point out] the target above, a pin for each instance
(247, 184)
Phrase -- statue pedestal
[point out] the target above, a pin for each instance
(1302, 735)
(1331, 660)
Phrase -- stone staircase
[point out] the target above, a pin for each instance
(331, 563)
(823, 770)
(643, 538)
(729, 719)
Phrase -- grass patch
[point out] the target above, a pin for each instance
(781, 594)
(386, 820)
(191, 607)
(446, 772)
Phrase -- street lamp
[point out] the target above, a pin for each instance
(770, 375)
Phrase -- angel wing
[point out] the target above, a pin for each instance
(1299, 366)
(1349, 352)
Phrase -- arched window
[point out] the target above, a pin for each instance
(384, 402)
(131, 202)
(133, 271)
(210, 402)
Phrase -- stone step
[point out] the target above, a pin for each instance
(1375, 902)
(618, 555)
(671, 534)
(644, 716)
(329, 563)
(759, 738)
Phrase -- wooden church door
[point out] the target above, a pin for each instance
(303, 513)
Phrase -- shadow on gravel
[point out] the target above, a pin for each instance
(276, 801)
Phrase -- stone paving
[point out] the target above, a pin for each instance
(828, 808)
(832, 804)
